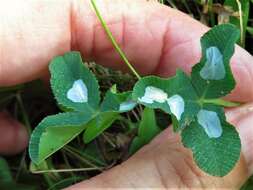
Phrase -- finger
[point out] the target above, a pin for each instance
(13, 136)
(165, 163)
(155, 38)
(242, 118)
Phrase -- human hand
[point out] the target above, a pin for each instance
(157, 40)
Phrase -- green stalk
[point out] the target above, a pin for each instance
(24, 114)
(241, 21)
(114, 43)
(162, 1)
(210, 10)
(64, 170)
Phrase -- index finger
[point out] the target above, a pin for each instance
(155, 38)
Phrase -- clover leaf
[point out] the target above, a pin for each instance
(174, 95)
(191, 102)
(77, 92)
(194, 102)
(212, 76)
(118, 102)
(75, 89)
(73, 85)
(214, 142)
(113, 104)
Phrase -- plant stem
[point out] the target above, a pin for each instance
(24, 113)
(109, 140)
(241, 20)
(220, 102)
(81, 157)
(161, 1)
(210, 10)
(65, 170)
(114, 43)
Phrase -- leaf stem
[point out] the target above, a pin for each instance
(24, 113)
(114, 43)
(241, 21)
(81, 157)
(220, 102)
(64, 170)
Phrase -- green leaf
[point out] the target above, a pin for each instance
(99, 124)
(74, 86)
(214, 154)
(64, 183)
(12, 88)
(117, 102)
(15, 186)
(6, 179)
(245, 5)
(175, 96)
(148, 129)
(250, 30)
(248, 185)
(194, 102)
(54, 132)
(212, 76)
(93, 153)
(5, 173)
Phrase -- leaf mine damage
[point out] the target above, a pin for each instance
(176, 104)
(153, 94)
(210, 122)
(127, 105)
(78, 92)
(214, 67)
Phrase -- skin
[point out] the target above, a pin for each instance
(157, 40)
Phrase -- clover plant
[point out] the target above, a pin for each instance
(193, 101)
